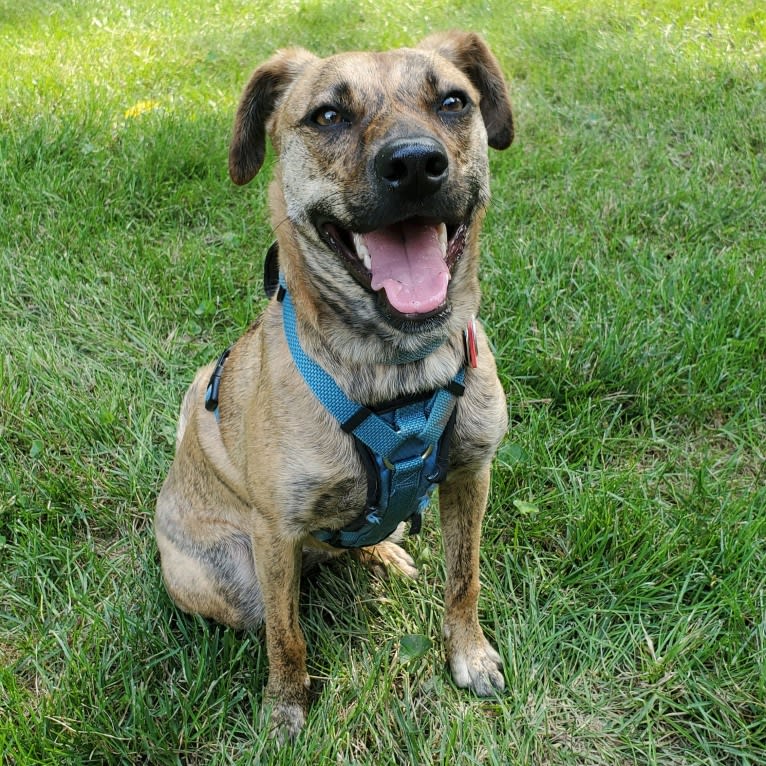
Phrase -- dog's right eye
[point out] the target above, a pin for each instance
(454, 102)
(327, 116)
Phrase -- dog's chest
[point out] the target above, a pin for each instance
(346, 498)
(319, 501)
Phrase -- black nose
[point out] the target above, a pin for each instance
(414, 167)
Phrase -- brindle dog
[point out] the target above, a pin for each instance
(378, 195)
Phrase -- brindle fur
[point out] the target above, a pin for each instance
(243, 495)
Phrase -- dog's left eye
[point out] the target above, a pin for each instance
(453, 103)
(326, 116)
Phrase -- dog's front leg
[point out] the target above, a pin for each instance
(473, 661)
(278, 563)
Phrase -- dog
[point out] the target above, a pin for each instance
(378, 194)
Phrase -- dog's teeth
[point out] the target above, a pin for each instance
(362, 252)
(443, 237)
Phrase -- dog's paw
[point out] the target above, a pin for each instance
(284, 720)
(387, 556)
(477, 667)
(284, 711)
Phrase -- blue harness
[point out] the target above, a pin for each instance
(403, 445)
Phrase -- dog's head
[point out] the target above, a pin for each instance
(382, 173)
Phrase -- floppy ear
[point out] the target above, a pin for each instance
(470, 54)
(260, 98)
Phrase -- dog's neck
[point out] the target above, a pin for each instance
(371, 381)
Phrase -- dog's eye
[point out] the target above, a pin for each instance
(455, 102)
(326, 116)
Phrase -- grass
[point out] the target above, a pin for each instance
(624, 264)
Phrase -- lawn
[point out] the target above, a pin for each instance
(624, 274)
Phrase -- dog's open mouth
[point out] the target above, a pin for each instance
(409, 263)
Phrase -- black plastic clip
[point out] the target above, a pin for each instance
(211, 393)
(355, 420)
(271, 270)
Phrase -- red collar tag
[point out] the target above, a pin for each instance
(471, 344)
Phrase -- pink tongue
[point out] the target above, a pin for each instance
(408, 263)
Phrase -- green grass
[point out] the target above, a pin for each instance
(624, 262)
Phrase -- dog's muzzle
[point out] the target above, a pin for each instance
(406, 250)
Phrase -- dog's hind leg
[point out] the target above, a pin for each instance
(207, 558)
(215, 578)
